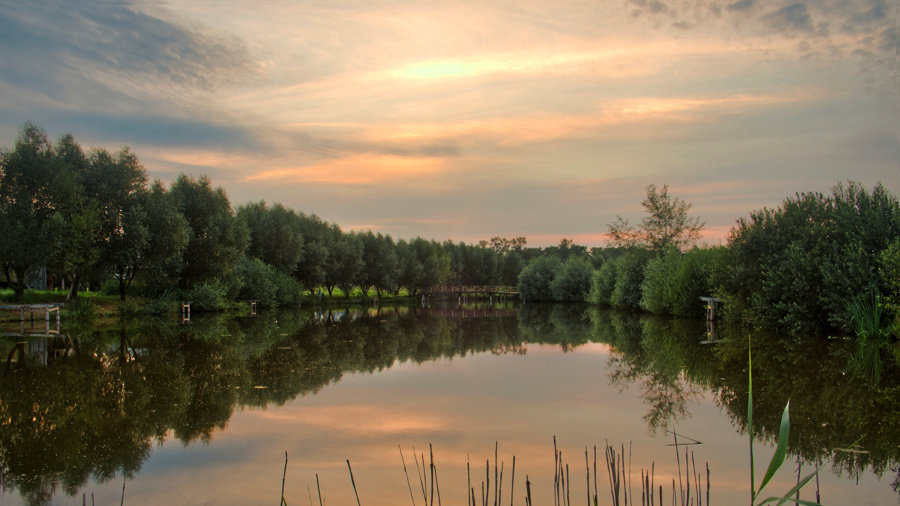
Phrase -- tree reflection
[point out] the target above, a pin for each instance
(90, 405)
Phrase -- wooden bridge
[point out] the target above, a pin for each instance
(462, 290)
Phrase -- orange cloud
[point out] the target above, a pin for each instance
(360, 169)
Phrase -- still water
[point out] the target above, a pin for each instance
(157, 411)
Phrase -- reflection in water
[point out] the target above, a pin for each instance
(91, 404)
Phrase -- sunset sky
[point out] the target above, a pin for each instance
(468, 120)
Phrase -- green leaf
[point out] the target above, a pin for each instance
(781, 449)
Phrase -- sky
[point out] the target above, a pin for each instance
(468, 120)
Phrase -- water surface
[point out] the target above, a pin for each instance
(203, 412)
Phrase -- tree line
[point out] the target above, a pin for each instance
(815, 264)
(93, 219)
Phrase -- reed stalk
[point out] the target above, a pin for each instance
(283, 477)
(353, 482)
(405, 472)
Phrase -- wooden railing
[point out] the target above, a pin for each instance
(474, 289)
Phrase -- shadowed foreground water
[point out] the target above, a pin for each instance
(202, 413)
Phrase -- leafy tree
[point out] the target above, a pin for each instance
(217, 239)
(168, 233)
(626, 293)
(345, 261)
(381, 264)
(667, 224)
(795, 267)
(318, 242)
(119, 187)
(573, 280)
(42, 219)
(603, 282)
(537, 277)
(275, 233)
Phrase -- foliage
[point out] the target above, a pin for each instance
(673, 283)
(890, 273)
(666, 226)
(603, 282)
(537, 277)
(217, 239)
(275, 234)
(572, 282)
(257, 281)
(626, 292)
(795, 267)
(210, 295)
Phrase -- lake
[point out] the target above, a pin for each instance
(157, 411)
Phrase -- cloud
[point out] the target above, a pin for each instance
(741, 6)
(91, 39)
(794, 17)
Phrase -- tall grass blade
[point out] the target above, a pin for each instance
(781, 449)
(796, 488)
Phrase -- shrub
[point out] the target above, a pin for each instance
(535, 279)
(603, 282)
(208, 296)
(572, 281)
(630, 274)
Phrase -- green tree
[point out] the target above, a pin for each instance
(217, 239)
(168, 233)
(41, 221)
(667, 224)
(318, 242)
(537, 277)
(381, 264)
(119, 186)
(796, 267)
(275, 233)
(345, 261)
(572, 282)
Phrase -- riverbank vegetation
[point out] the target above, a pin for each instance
(73, 219)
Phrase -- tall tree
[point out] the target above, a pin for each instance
(168, 233)
(217, 239)
(666, 226)
(276, 235)
(32, 179)
(119, 186)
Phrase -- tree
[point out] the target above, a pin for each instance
(381, 265)
(345, 261)
(39, 191)
(667, 225)
(217, 239)
(275, 234)
(796, 267)
(537, 277)
(119, 186)
(573, 280)
(312, 270)
(168, 233)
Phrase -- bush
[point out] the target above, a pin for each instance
(535, 279)
(630, 274)
(256, 282)
(208, 296)
(572, 281)
(603, 282)
(795, 267)
(659, 285)
(287, 289)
